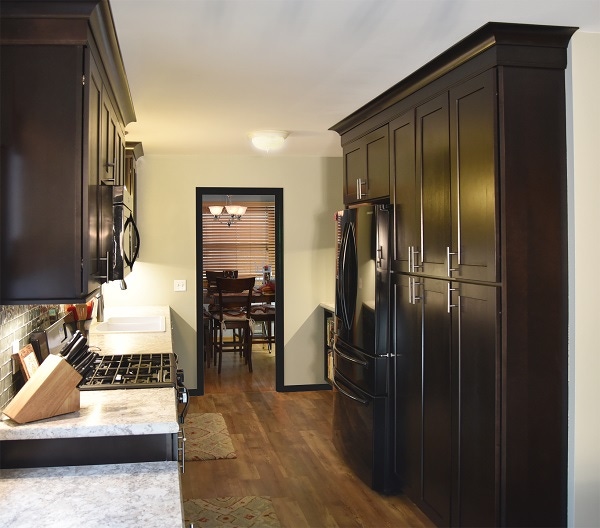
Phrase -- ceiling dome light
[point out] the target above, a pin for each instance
(268, 139)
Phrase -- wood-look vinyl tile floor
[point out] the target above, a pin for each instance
(284, 451)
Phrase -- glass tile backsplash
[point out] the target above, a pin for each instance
(16, 324)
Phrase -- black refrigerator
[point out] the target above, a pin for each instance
(362, 417)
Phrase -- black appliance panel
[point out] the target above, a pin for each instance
(368, 372)
(361, 434)
(362, 284)
(126, 237)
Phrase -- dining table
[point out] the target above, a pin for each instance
(258, 297)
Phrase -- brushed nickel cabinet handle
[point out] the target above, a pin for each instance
(450, 305)
(449, 254)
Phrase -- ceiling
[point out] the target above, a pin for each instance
(205, 73)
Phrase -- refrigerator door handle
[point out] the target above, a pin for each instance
(344, 271)
(362, 401)
(349, 358)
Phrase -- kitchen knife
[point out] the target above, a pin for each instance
(75, 353)
(67, 348)
(82, 358)
(84, 366)
(75, 342)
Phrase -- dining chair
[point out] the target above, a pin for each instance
(235, 300)
(265, 315)
(212, 308)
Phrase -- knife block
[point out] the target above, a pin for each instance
(51, 391)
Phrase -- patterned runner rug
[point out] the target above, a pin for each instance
(207, 437)
(233, 512)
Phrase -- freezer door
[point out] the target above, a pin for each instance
(361, 434)
(366, 371)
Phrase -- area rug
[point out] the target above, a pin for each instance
(207, 437)
(233, 512)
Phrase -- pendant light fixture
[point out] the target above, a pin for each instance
(233, 213)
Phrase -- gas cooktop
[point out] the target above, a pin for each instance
(132, 371)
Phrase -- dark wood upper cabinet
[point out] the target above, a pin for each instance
(406, 191)
(366, 168)
(433, 177)
(65, 102)
(477, 160)
(474, 152)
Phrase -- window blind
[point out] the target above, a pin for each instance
(247, 245)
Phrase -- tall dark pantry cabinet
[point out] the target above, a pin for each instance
(477, 166)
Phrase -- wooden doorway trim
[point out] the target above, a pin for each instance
(233, 191)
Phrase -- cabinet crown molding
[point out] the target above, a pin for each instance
(505, 43)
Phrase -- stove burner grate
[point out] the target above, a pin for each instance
(132, 371)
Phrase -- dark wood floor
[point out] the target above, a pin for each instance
(284, 450)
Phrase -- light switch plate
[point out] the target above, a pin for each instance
(179, 285)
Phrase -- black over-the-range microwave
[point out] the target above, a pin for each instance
(124, 242)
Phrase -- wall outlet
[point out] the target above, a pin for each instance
(180, 285)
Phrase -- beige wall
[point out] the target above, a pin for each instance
(583, 125)
(312, 192)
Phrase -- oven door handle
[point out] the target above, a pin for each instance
(349, 358)
(182, 390)
(362, 401)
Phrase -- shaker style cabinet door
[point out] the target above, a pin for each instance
(366, 167)
(423, 440)
(433, 174)
(473, 124)
(97, 267)
(113, 145)
(446, 394)
(436, 457)
(476, 404)
(406, 193)
(407, 384)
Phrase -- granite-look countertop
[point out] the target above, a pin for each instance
(124, 495)
(135, 342)
(113, 412)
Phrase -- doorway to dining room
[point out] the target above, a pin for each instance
(246, 243)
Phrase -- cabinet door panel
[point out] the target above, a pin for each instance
(407, 387)
(433, 170)
(475, 324)
(367, 160)
(110, 142)
(437, 425)
(41, 173)
(402, 133)
(354, 169)
(473, 140)
(96, 266)
(378, 164)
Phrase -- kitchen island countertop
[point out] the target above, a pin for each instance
(124, 495)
